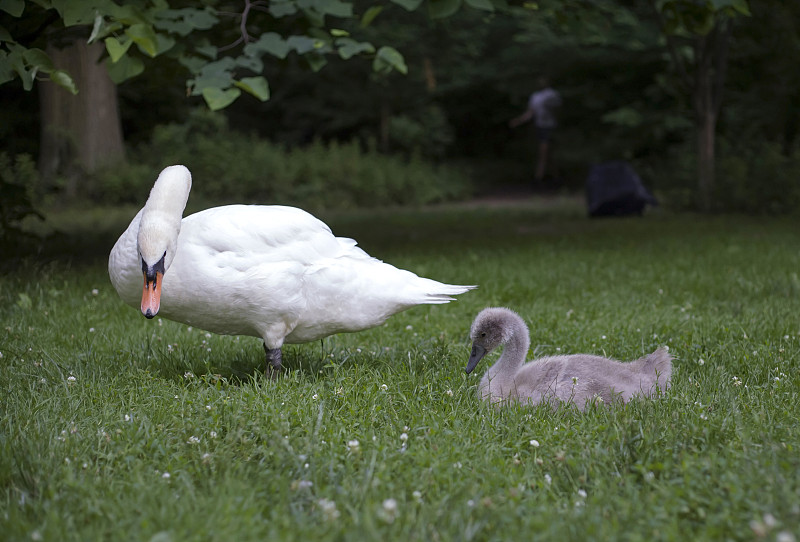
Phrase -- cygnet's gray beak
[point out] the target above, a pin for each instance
(475, 356)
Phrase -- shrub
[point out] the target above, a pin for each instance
(18, 182)
(228, 166)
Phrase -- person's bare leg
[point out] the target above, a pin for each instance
(541, 163)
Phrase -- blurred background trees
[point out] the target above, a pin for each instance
(408, 99)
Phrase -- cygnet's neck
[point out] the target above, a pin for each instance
(515, 349)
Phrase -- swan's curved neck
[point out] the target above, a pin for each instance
(514, 351)
(161, 217)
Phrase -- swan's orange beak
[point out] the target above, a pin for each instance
(151, 294)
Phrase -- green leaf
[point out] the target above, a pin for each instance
(370, 15)
(115, 49)
(409, 5)
(63, 79)
(438, 9)
(339, 33)
(252, 63)
(5, 35)
(624, 116)
(145, 37)
(388, 59)
(301, 44)
(164, 43)
(6, 71)
(39, 60)
(257, 86)
(740, 6)
(217, 99)
(192, 63)
(282, 9)
(76, 13)
(485, 5)
(13, 7)
(184, 21)
(270, 43)
(315, 61)
(124, 69)
(349, 48)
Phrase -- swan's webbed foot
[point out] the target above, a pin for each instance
(273, 361)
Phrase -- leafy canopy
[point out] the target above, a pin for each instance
(145, 29)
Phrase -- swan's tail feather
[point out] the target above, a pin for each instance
(444, 293)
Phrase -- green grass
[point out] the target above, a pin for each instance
(99, 404)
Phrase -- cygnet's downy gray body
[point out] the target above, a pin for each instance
(578, 378)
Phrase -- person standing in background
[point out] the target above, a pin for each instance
(542, 109)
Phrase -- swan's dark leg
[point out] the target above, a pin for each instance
(273, 361)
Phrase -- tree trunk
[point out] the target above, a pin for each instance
(706, 170)
(79, 133)
(705, 122)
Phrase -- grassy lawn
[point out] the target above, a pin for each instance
(118, 428)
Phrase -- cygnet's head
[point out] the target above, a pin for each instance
(492, 327)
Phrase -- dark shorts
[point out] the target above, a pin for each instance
(544, 134)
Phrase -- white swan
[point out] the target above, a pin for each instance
(575, 378)
(267, 271)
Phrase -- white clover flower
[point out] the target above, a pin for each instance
(404, 436)
(208, 407)
(701, 361)
(91, 330)
(339, 391)
(188, 374)
(785, 536)
(534, 443)
(389, 510)
(165, 476)
(417, 495)
(603, 337)
(208, 335)
(315, 396)
(449, 392)
(328, 508)
(302, 484)
(384, 387)
(193, 440)
(737, 381)
(71, 378)
(95, 291)
(770, 521)
(127, 418)
(409, 327)
(548, 479)
(354, 446)
(213, 434)
(582, 493)
(457, 465)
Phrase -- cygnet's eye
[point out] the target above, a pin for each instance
(483, 334)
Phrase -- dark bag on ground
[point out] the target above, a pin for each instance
(614, 189)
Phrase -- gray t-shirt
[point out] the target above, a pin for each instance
(544, 104)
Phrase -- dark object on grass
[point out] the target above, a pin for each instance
(614, 189)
